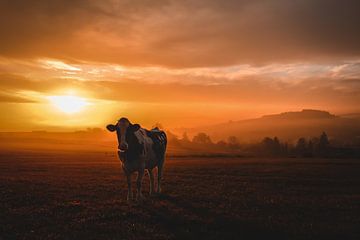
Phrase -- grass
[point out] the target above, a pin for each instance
(69, 195)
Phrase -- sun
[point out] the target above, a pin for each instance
(68, 104)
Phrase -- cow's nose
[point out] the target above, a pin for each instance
(124, 146)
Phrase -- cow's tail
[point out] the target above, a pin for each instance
(160, 142)
(163, 142)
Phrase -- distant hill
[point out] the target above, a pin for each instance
(304, 114)
(288, 126)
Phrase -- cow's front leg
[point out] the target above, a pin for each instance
(129, 195)
(151, 176)
(138, 184)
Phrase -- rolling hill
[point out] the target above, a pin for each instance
(287, 126)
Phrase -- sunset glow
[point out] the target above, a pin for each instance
(68, 104)
(184, 65)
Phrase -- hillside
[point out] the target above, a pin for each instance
(287, 126)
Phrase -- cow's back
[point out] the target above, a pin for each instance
(154, 146)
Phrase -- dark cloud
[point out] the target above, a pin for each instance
(181, 33)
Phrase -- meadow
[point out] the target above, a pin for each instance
(82, 195)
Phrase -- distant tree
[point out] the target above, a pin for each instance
(323, 145)
(172, 138)
(267, 142)
(324, 141)
(276, 147)
(285, 149)
(233, 142)
(185, 138)
(202, 138)
(221, 143)
(301, 147)
(315, 141)
(267, 145)
(271, 146)
(310, 149)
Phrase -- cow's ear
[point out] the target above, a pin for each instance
(134, 127)
(111, 127)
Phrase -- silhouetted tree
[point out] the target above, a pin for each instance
(185, 138)
(285, 149)
(276, 148)
(267, 145)
(267, 142)
(202, 138)
(271, 146)
(233, 142)
(221, 143)
(310, 149)
(323, 145)
(172, 138)
(301, 147)
(324, 141)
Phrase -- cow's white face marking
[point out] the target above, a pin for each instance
(121, 128)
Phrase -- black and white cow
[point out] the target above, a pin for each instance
(140, 149)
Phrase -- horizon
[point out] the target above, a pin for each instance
(176, 128)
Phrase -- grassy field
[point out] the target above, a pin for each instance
(78, 195)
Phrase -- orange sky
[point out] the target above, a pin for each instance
(181, 63)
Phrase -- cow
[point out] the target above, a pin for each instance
(140, 149)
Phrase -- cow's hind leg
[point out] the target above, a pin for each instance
(138, 184)
(160, 171)
(151, 176)
(128, 178)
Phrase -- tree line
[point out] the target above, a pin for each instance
(319, 146)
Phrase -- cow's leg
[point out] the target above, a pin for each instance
(138, 184)
(151, 176)
(160, 168)
(128, 178)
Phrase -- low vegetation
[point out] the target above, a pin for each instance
(82, 195)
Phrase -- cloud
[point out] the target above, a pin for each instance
(181, 34)
(253, 90)
(175, 103)
(58, 65)
(45, 69)
(13, 98)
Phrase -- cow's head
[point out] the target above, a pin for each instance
(124, 131)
